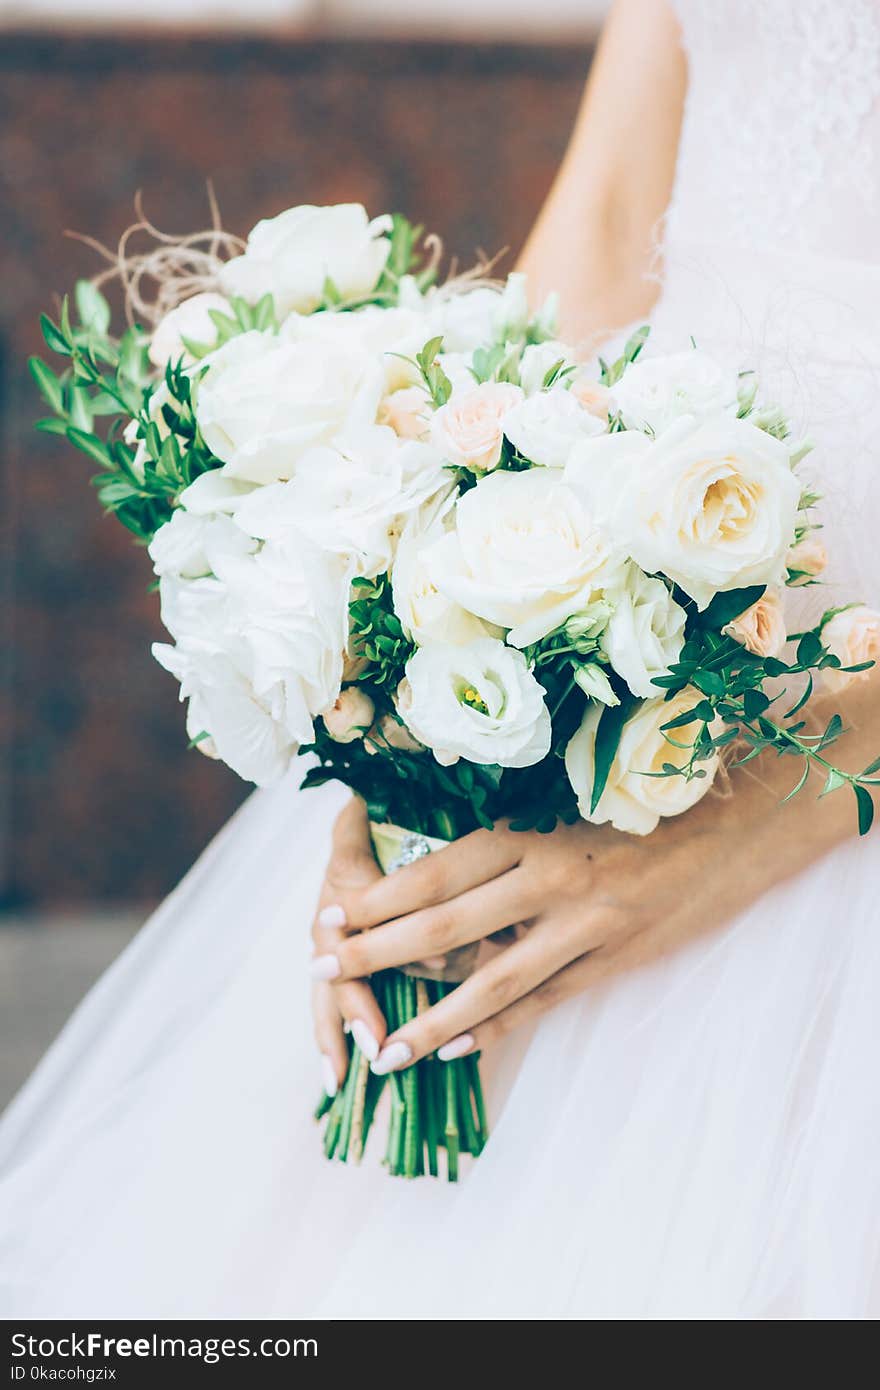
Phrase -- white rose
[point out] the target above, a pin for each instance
(393, 336)
(291, 256)
(351, 496)
(350, 716)
(525, 554)
(632, 801)
(469, 429)
(713, 505)
(545, 428)
(191, 320)
(407, 411)
(761, 628)
(645, 633)
(854, 637)
(479, 702)
(537, 360)
(511, 315)
(655, 391)
(426, 614)
(264, 400)
(215, 491)
(465, 320)
(188, 544)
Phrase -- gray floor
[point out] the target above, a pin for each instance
(46, 965)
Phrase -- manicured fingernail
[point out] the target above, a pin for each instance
(325, 968)
(456, 1047)
(329, 1075)
(333, 916)
(391, 1058)
(368, 1045)
(434, 962)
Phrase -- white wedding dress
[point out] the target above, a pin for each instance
(698, 1140)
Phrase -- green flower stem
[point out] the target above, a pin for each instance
(451, 1130)
(473, 1065)
(465, 1111)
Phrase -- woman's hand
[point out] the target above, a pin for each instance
(588, 901)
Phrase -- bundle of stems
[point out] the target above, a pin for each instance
(434, 1105)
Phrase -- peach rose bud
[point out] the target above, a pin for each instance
(350, 716)
(595, 398)
(406, 411)
(469, 428)
(807, 559)
(853, 636)
(761, 628)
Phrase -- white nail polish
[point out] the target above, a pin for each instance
(456, 1047)
(330, 917)
(391, 1058)
(329, 1075)
(368, 1045)
(325, 968)
(434, 962)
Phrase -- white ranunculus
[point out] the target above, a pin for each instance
(655, 391)
(545, 428)
(538, 359)
(632, 801)
(291, 257)
(188, 544)
(191, 320)
(645, 633)
(479, 702)
(525, 554)
(264, 400)
(712, 504)
(351, 496)
(426, 614)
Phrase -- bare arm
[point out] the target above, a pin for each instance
(595, 235)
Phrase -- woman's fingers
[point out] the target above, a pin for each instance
(434, 931)
(354, 998)
(329, 1037)
(544, 950)
(435, 878)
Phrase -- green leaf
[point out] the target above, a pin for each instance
(90, 444)
(51, 426)
(49, 386)
(754, 703)
(608, 735)
(801, 782)
(833, 782)
(92, 307)
(872, 768)
(55, 339)
(866, 808)
(809, 649)
(729, 605)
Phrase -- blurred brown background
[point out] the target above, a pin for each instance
(102, 807)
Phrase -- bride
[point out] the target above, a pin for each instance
(691, 1130)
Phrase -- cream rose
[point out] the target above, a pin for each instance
(525, 554)
(655, 391)
(713, 505)
(632, 801)
(426, 614)
(406, 411)
(479, 701)
(291, 257)
(350, 716)
(469, 429)
(190, 320)
(545, 428)
(264, 400)
(645, 633)
(592, 395)
(806, 560)
(853, 636)
(761, 628)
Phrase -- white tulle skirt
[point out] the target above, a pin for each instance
(697, 1140)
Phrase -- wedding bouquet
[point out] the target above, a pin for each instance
(399, 527)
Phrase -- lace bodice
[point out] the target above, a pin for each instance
(781, 139)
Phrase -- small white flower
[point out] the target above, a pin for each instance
(545, 428)
(595, 684)
(469, 429)
(645, 633)
(538, 359)
(350, 716)
(291, 257)
(633, 801)
(191, 320)
(655, 391)
(479, 702)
